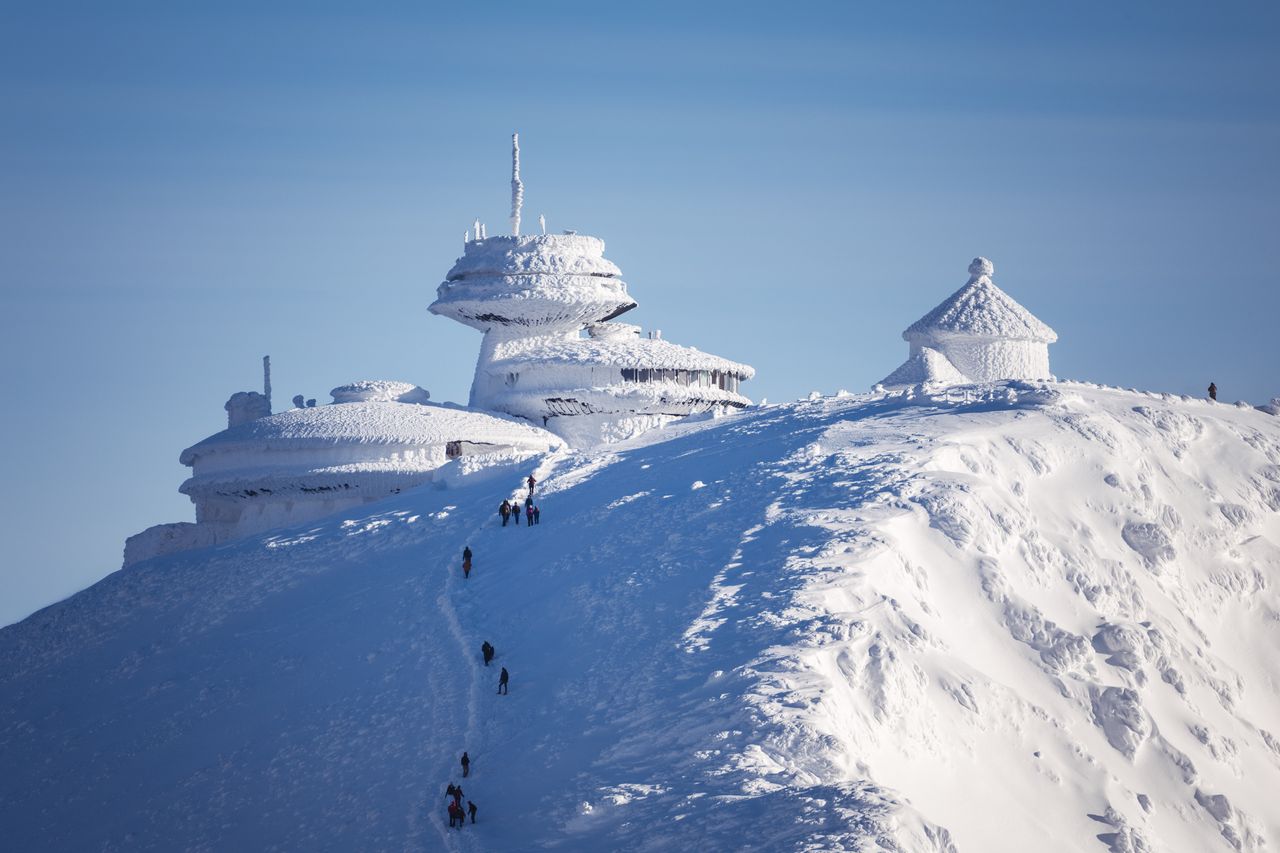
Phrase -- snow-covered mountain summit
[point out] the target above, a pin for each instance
(1013, 617)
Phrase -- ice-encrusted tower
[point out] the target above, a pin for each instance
(532, 296)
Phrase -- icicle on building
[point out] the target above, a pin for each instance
(551, 352)
(979, 334)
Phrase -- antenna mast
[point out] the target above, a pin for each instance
(266, 380)
(517, 188)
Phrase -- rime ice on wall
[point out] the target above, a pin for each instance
(244, 406)
(979, 334)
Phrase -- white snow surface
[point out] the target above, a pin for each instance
(925, 366)
(1039, 617)
(381, 423)
(619, 352)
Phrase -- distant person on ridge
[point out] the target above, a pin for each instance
(486, 649)
(537, 515)
(505, 512)
(1213, 391)
(531, 483)
(471, 808)
(466, 765)
(502, 680)
(466, 562)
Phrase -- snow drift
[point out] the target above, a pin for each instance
(1025, 616)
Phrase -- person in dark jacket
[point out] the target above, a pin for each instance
(1213, 391)
(528, 510)
(453, 814)
(505, 512)
(471, 809)
(515, 512)
(466, 562)
(531, 483)
(503, 677)
(537, 515)
(466, 765)
(486, 649)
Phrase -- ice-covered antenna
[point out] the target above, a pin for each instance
(266, 380)
(517, 188)
(542, 223)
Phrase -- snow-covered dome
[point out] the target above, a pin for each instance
(380, 391)
(533, 284)
(367, 424)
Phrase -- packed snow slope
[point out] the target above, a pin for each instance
(1014, 617)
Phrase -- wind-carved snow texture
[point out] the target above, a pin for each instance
(910, 622)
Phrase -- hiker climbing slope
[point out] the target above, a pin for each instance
(466, 562)
(503, 677)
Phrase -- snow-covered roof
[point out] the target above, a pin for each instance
(927, 365)
(380, 391)
(372, 423)
(548, 254)
(549, 281)
(982, 310)
(620, 351)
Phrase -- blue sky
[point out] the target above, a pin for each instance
(184, 190)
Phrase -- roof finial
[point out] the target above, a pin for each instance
(981, 268)
(517, 188)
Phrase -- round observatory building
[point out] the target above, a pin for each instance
(550, 353)
(376, 439)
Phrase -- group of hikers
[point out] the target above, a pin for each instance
(510, 510)
(457, 814)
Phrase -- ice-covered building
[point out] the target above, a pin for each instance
(553, 369)
(550, 352)
(978, 334)
(377, 438)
